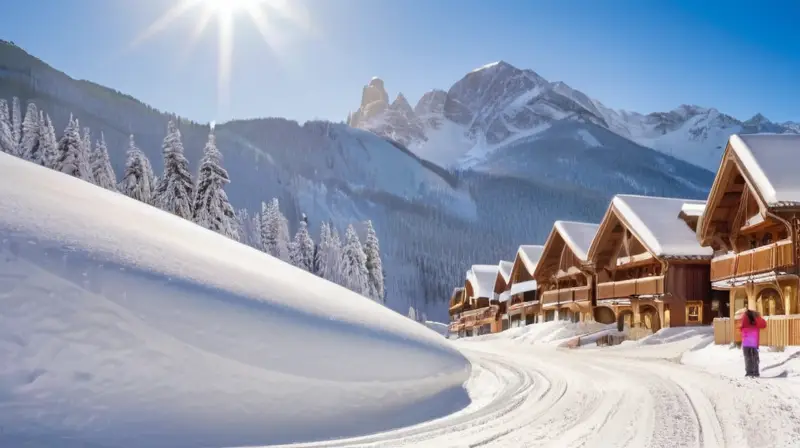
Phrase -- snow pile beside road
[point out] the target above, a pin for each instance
(552, 333)
(122, 325)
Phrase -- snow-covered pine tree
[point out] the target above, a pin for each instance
(264, 230)
(6, 136)
(86, 154)
(101, 166)
(16, 125)
(39, 150)
(372, 249)
(175, 191)
(135, 182)
(69, 157)
(275, 231)
(335, 269)
(51, 144)
(152, 179)
(322, 251)
(354, 264)
(212, 209)
(29, 141)
(249, 228)
(302, 248)
(412, 313)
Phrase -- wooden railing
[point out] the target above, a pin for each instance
(550, 296)
(480, 316)
(754, 261)
(781, 331)
(566, 295)
(634, 287)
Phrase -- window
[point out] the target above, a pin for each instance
(694, 312)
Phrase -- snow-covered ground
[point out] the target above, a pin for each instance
(124, 326)
(668, 390)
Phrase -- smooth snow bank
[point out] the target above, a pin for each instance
(727, 360)
(122, 325)
(553, 333)
(437, 327)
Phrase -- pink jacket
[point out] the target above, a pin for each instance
(751, 332)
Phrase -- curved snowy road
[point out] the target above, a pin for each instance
(540, 396)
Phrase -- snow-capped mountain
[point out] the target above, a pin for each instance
(498, 105)
(432, 223)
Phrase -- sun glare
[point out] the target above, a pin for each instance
(261, 13)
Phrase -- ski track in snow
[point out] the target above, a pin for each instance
(542, 396)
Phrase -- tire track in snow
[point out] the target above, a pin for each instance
(546, 397)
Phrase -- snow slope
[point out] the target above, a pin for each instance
(122, 325)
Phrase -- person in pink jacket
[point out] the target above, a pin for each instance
(751, 325)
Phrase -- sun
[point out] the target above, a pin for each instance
(259, 12)
(231, 6)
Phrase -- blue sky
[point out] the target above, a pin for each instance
(638, 55)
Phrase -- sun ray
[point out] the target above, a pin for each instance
(268, 16)
(162, 22)
(201, 26)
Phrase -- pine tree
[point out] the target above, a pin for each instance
(412, 313)
(212, 209)
(6, 136)
(135, 181)
(51, 144)
(372, 249)
(152, 180)
(102, 171)
(335, 265)
(249, 228)
(175, 191)
(275, 231)
(38, 148)
(264, 231)
(29, 143)
(354, 264)
(322, 250)
(302, 248)
(86, 154)
(69, 157)
(16, 126)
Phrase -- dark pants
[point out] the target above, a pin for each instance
(751, 360)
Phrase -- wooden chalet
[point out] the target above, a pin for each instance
(457, 304)
(502, 293)
(564, 275)
(523, 301)
(478, 292)
(752, 223)
(650, 270)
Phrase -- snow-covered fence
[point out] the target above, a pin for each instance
(781, 331)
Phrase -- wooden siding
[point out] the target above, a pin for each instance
(754, 261)
(781, 331)
(626, 288)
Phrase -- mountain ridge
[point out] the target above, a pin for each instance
(499, 102)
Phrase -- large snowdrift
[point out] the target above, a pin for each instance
(122, 325)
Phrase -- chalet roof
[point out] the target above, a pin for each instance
(504, 269)
(578, 236)
(482, 277)
(530, 255)
(769, 162)
(657, 224)
(693, 209)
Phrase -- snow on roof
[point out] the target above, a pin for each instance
(656, 222)
(768, 159)
(530, 255)
(482, 277)
(518, 288)
(693, 209)
(504, 268)
(578, 236)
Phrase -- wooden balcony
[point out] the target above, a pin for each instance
(550, 297)
(566, 295)
(644, 286)
(754, 261)
(480, 316)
